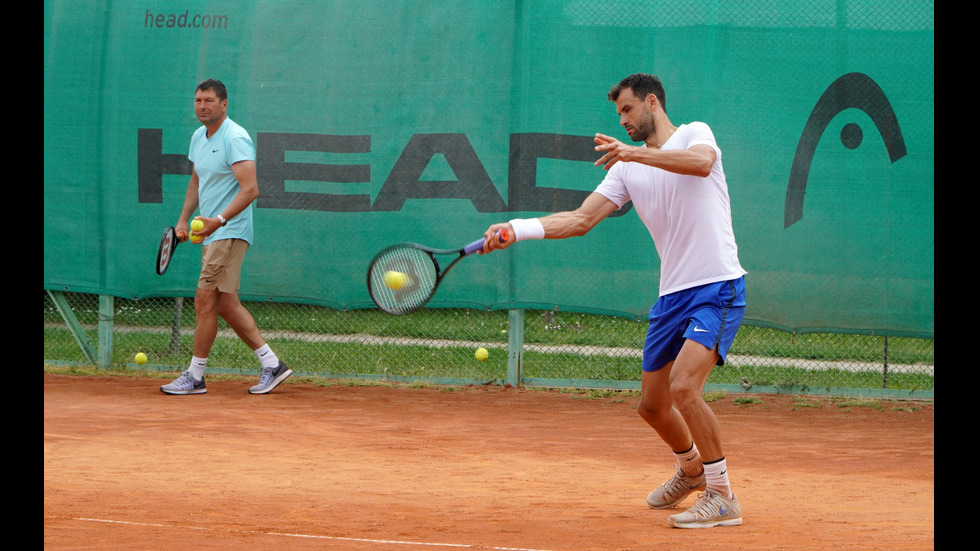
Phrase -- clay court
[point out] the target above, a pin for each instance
(377, 468)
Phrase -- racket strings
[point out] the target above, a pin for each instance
(167, 246)
(422, 277)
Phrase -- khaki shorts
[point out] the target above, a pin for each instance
(221, 265)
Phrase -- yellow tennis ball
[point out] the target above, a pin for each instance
(196, 238)
(140, 358)
(482, 354)
(395, 280)
(197, 225)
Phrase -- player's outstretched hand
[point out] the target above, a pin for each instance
(613, 151)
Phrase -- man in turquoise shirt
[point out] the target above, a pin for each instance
(223, 186)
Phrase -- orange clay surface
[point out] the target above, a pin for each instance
(378, 468)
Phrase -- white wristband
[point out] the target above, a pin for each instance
(527, 228)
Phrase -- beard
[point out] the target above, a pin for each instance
(643, 130)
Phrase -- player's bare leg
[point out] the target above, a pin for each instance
(230, 308)
(191, 381)
(717, 506)
(687, 379)
(273, 371)
(206, 321)
(657, 409)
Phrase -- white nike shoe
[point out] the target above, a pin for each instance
(711, 509)
(674, 491)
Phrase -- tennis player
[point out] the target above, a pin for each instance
(677, 185)
(223, 185)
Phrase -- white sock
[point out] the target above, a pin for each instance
(716, 477)
(689, 462)
(266, 356)
(197, 367)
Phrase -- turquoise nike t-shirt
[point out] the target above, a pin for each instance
(212, 158)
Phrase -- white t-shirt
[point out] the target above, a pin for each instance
(689, 217)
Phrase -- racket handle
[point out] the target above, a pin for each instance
(478, 244)
(181, 236)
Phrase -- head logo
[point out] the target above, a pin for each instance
(851, 91)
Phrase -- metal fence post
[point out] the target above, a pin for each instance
(106, 318)
(58, 298)
(515, 346)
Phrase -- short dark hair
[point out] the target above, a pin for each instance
(642, 85)
(215, 85)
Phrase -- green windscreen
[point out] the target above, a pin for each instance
(378, 122)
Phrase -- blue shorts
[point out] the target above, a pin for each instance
(709, 314)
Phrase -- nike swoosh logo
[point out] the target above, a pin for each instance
(699, 330)
(214, 150)
(722, 511)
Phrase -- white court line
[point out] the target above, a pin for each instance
(311, 536)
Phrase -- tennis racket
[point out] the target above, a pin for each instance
(168, 244)
(403, 277)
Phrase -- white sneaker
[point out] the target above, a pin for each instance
(711, 509)
(269, 378)
(674, 491)
(185, 384)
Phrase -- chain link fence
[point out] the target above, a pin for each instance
(531, 347)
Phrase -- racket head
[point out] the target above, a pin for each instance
(413, 260)
(165, 252)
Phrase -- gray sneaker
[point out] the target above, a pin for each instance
(674, 491)
(711, 509)
(185, 384)
(269, 378)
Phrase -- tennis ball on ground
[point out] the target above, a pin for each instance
(197, 225)
(140, 358)
(395, 280)
(482, 354)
